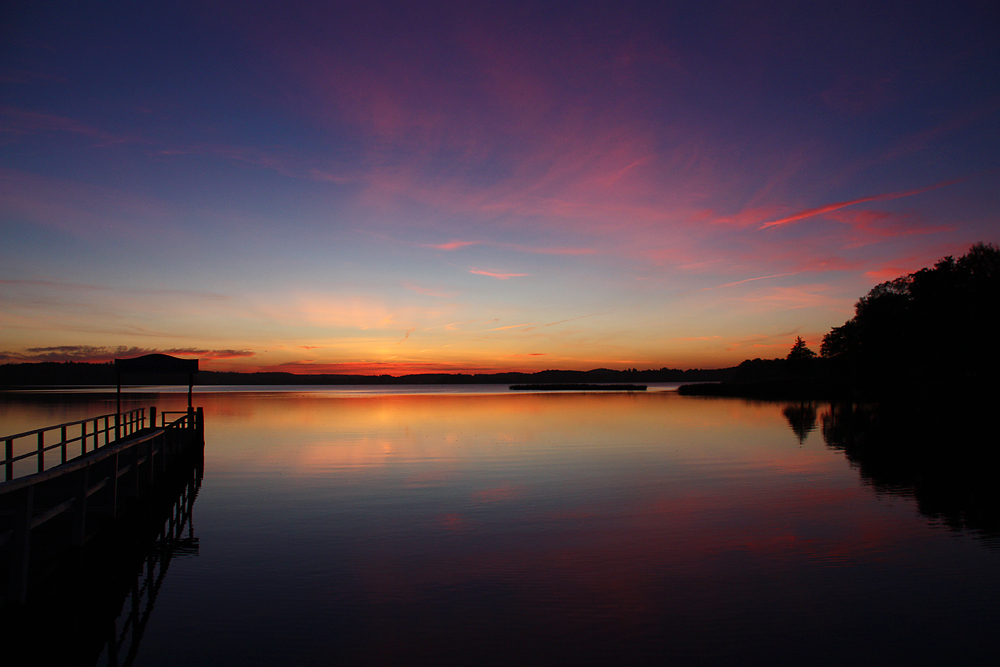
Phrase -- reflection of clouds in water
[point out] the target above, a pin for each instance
(506, 491)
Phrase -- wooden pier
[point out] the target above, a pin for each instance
(47, 517)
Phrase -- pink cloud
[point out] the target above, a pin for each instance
(567, 160)
(871, 226)
(104, 354)
(798, 296)
(801, 215)
(82, 209)
(21, 121)
(498, 276)
(519, 247)
(493, 136)
(454, 245)
(745, 218)
(543, 250)
(885, 273)
(748, 280)
(902, 266)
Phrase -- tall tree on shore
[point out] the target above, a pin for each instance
(800, 351)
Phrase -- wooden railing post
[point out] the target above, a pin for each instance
(83, 438)
(63, 448)
(41, 451)
(9, 456)
(152, 416)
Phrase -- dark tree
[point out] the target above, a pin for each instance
(935, 325)
(800, 352)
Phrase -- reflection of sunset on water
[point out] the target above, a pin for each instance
(319, 433)
(590, 525)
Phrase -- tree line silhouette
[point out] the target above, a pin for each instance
(933, 329)
(54, 374)
(939, 324)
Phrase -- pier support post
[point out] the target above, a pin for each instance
(17, 584)
(80, 505)
(114, 488)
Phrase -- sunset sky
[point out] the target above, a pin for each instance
(431, 186)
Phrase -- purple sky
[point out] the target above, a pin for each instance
(388, 188)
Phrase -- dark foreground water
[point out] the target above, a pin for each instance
(468, 527)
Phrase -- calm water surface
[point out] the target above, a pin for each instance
(462, 526)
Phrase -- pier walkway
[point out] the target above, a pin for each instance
(65, 484)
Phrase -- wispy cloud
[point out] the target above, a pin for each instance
(104, 354)
(84, 209)
(519, 247)
(799, 296)
(430, 291)
(453, 245)
(750, 280)
(569, 319)
(512, 326)
(546, 250)
(63, 286)
(15, 121)
(498, 276)
(819, 210)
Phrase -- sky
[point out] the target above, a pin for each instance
(478, 187)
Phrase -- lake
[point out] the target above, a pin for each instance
(472, 525)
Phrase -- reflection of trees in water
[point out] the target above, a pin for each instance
(945, 458)
(802, 418)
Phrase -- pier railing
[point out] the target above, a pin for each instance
(73, 438)
(92, 489)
